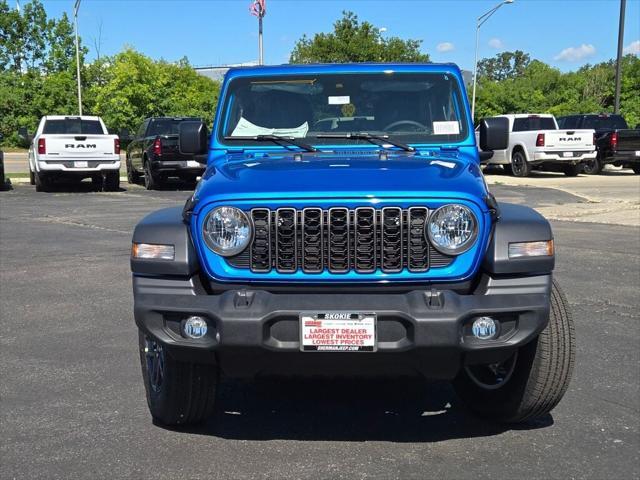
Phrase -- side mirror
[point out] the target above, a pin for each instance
(23, 133)
(124, 134)
(494, 134)
(193, 140)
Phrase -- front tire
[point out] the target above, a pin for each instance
(531, 382)
(178, 393)
(133, 177)
(519, 165)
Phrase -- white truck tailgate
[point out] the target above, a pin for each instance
(574, 140)
(80, 146)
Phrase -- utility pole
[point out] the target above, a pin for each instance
(76, 7)
(619, 60)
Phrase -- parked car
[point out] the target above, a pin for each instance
(315, 252)
(616, 143)
(154, 155)
(536, 143)
(73, 148)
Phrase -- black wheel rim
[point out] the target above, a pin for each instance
(492, 376)
(155, 364)
(518, 164)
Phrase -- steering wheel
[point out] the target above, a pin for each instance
(391, 126)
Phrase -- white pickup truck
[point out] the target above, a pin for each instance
(535, 142)
(74, 147)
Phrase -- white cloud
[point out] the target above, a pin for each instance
(633, 47)
(573, 54)
(445, 47)
(496, 43)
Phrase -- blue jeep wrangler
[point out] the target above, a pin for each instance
(343, 227)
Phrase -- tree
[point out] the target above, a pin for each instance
(504, 65)
(353, 41)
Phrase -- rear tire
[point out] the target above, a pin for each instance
(519, 165)
(133, 177)
(32, 178)
(151, 181)
(112, 181)
(572, 170)
(178, 393)
(537, 380)
(593, 166)
(41, 182)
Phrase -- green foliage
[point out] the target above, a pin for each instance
(535, 87)
(353, 41)
(504, 65)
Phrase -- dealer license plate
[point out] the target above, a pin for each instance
(567, 154)
(81, 164)
(337, 332)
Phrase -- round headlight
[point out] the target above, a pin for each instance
(452, 229)
(227, 231)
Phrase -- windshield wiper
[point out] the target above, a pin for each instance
(380, 140)
(280, 140)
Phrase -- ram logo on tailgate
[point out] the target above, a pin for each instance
(570, 139)
(80, 145)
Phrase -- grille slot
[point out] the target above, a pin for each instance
(339, 236)
(340, 240)
(312, 240)
(417, 246)
(286, 240)
(365, 240)
(392, 249)
(261, 247)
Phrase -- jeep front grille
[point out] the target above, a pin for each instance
(339, 240)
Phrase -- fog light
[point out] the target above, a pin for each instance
(484, 328)
(195, 327)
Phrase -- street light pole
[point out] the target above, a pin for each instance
(619, 59)
(76, 7)
(481, 19)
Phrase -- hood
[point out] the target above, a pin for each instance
(331, 175)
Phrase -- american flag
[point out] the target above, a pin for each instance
(258, 8)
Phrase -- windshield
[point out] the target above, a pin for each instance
(408, 107)
(72, 125)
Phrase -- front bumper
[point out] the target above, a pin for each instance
(424, 331)
(564, 157)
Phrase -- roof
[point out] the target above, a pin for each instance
(301, 69)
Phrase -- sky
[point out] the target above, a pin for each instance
(564, 33)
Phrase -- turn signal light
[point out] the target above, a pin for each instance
(531, 249)
(42, 146)
(151, 251)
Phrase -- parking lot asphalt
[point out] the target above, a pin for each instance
(72, 402)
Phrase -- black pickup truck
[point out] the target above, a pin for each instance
(153, 154)
(616, 143)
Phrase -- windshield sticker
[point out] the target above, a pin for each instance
(348, 110)
(446, 128)
(339, 100)
(248, 129)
